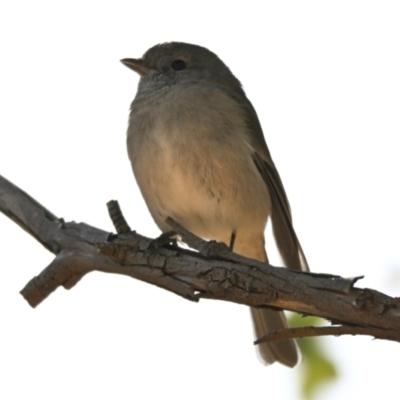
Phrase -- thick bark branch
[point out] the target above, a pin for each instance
(212, 272)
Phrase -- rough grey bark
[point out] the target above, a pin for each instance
(211, 272)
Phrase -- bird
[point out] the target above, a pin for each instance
(199, 156)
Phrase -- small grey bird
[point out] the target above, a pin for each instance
(199, 156)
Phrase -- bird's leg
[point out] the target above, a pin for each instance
(232, 242)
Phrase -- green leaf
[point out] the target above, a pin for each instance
(316, 369)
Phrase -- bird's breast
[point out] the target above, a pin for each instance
(192, 162)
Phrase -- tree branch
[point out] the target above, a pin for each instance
(212, 272)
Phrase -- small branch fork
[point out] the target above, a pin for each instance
(212, 272)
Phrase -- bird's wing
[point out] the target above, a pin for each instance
(284, 233)
(282, 226)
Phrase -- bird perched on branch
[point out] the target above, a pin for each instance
(199, 156)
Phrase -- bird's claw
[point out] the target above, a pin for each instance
(165, 239)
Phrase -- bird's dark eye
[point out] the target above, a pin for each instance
(178, 65)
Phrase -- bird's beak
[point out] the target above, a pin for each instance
(138, 65)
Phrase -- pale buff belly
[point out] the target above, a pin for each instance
(211, 192)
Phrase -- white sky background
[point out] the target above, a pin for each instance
(324, 79)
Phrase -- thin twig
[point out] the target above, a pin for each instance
(310, 331)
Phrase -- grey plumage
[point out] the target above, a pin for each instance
(199, 156)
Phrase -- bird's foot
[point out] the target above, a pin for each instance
(169, 238)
